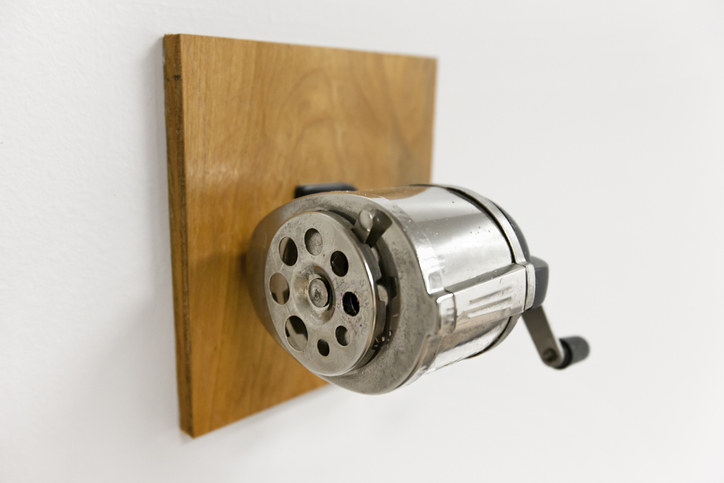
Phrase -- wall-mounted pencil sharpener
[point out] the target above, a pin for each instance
(370, 290)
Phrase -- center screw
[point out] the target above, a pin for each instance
(318, 293)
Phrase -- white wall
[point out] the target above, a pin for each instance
(598, 125)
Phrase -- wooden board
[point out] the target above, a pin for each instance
(247, 122)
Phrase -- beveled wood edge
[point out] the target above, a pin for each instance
(177, 217)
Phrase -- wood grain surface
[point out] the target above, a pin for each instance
(247, 122)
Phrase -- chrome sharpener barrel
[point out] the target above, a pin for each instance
(370, 290)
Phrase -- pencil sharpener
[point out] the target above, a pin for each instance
(370, 290)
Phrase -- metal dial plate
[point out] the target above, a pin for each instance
(321, 292)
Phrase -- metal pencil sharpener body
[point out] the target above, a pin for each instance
(370, 290)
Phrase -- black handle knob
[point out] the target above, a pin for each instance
(575, 349)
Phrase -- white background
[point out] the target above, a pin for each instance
(597, 125)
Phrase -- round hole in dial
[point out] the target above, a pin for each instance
(342, 335)
(313, 241)
(350, 303)
(323, 347)
(296, 333)
(339, 263)
(288, 251)
(279, 288)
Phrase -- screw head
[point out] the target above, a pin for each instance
(318, 292)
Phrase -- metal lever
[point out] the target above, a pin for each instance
(554, 352)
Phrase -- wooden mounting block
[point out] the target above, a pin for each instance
(246, 122)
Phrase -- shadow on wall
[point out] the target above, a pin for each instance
(136, 374)
(128, 398)
(157, 398)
